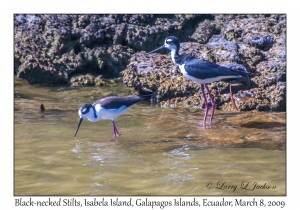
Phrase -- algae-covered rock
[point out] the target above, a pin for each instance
(246, 43)
(89, 49)
(60, 46)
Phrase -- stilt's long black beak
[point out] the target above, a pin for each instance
(78, 126)
(161, 47)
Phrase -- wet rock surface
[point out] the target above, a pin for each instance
(51, 49)
(88, 50)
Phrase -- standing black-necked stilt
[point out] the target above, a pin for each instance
(107, 108)
(200, 71)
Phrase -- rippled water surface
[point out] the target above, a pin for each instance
(160, 151)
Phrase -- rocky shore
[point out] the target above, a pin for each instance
(91, 50)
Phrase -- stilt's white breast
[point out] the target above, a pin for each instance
(108, 114)
(181, 67)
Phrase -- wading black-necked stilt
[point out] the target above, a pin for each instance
(200, 71)
(107, 108)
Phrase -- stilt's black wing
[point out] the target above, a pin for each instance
(115, 102)
(203, 69)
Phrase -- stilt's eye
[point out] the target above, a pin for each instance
(85, 108)
(169, 41)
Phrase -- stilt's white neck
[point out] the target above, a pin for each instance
(173, 54)
(91, 116)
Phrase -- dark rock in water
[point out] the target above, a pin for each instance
(42, 108)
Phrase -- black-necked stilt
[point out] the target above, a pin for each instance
(107, 108)
(201, 71)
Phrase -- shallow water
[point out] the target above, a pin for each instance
(160, 151)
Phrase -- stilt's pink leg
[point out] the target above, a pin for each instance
(206, 104)
(212, 102)
(116, 133)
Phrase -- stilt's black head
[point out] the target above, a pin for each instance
(171, 43)
(83, 112)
